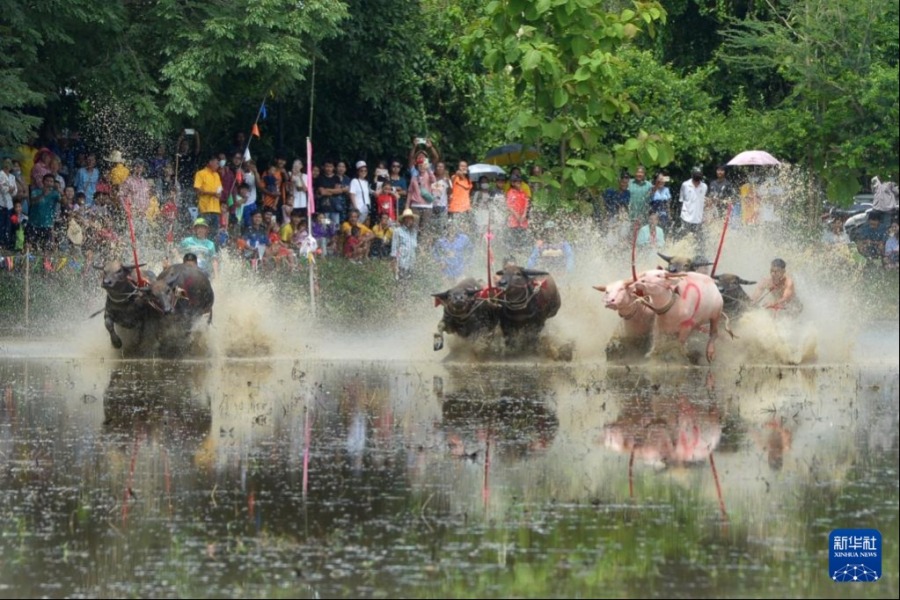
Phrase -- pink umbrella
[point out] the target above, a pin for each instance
(753, 157)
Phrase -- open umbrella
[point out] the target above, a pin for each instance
(479, 169)
(753, 157)
(511, 154)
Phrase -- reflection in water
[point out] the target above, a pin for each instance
(285, 478)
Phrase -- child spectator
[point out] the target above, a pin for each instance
(381, 245)
(323, 232)
(891, 247)
(18, 220)
(352, 244)
(386, 201)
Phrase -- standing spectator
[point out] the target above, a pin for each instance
(440, 190)
(136, 189)
(403, 246)
(41, 167)
(892, 247)
(87, 178)
(693, 202)
(252, 180)
(517, 215)
(399, 184)
(328, 187)
(208, 186)
(360, 194)
(341, 200)
(871, 237)
(231, 176)
(661, 199)
(884, 199)
(460, 206)
(721, 192)
(613, 201)
(386, 202)
(749, 202)
(419, 196)
(187, 157)
(8, 191)
(158, 163)
(299, 197)
(639, 195)
(42, 213)
(18, 224)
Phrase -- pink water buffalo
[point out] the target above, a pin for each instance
(633, 334)
(682, 302)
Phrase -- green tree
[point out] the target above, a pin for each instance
(841, 58)
(562, 56)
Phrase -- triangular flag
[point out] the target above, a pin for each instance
(247, 154)
(255, 130)
(263, 113)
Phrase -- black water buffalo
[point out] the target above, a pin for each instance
(469, 312)
(683, 264)
(527, 299)
(182, 292)
(735, 299)
(126, 304)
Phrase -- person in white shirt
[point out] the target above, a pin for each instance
(693, 201)
(360, 194)
(8, 190)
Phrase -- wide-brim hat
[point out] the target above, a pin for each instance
(408, 213)
(115, 157)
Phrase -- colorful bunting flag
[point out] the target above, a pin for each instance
(255, 130)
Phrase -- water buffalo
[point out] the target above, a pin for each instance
(735, 299)
(527, 299)
(634, 334)
(683, 302)
(683, 264)
(126, 305)
(468, 312)
(184, 292)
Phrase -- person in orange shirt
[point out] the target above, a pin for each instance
(460, 203)
(517, 204)
(208, 186)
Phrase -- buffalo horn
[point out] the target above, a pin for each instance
(668, 259)
(600, 288)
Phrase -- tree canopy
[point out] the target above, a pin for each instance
(598, 85)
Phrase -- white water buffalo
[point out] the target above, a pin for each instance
(637, 319)
(682, 302)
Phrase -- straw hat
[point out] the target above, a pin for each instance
(115, 157)
(408, 213)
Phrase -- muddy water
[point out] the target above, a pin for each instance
(234, 478)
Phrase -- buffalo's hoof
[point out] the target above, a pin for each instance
(438, 341)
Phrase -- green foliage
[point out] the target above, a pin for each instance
(841, 58)
(563, 58)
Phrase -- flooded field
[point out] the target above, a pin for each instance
(387, 478)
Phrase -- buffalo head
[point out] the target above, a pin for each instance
(459, 297)
(115, 274)
(683, 264)
(165, 293)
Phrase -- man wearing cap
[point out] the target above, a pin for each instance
(360, 194)
(119, 172)
(693, 201)
(208, 185)
(403, 245)
(203, 247)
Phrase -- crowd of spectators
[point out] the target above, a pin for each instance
(63, 198)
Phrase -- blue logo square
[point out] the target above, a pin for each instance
(854, 555)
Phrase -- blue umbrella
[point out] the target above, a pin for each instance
(511, 154)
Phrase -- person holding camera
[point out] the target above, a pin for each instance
(422, 147)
